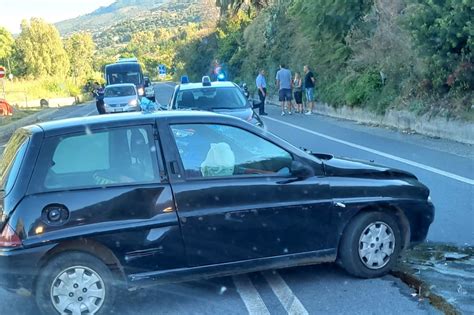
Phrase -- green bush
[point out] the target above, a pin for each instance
(361, 88)
(442, 31)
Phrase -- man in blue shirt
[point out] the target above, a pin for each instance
(284, 84)
(262, 92)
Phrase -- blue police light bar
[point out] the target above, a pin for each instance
(184, 79)
(206, 81)
(221, 77)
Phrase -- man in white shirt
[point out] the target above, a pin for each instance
(261, 83)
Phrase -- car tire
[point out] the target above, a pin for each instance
(370, 245)
(56, 282)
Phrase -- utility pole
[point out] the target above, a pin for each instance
(2, 76)
(3, 88)
(9, 67)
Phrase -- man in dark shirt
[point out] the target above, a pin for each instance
(261, 83)
(309, 84)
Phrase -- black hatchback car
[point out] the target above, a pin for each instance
(91, 204)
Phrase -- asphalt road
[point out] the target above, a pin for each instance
(446, 167)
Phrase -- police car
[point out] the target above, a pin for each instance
(222, 97)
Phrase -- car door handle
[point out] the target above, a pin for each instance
(174, 167)
(339, 204)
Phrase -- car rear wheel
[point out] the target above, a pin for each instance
(75, 283)
(370, 245)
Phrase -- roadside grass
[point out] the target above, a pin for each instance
(24, 90)
(17, 115)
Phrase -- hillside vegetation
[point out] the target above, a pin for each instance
(376, 54)
(47, 64)
(373, 54)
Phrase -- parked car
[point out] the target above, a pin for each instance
(180, 195)
(222, 97)
(149, 89)
(120, 98)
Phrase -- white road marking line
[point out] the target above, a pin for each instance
(283, 292)
(92, 112)
(250, 296)
(389, 156)
(170, 84)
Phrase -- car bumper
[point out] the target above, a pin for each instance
(113, 110)
(19, 268)
(420, 224)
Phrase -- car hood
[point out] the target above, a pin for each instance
(119, 99)
(338, 166)
(242, 113)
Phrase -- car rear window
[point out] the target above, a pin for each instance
(211, 98)
(11, 160)
(118, 156)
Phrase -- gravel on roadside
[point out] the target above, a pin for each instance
(442, 273)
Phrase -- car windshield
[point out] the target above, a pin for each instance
(209, 98)
(124, 77)
(11, 160)
(117, 91)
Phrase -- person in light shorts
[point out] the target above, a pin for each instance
(285, 85)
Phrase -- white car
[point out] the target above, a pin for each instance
(121, 98)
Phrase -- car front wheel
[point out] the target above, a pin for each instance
(75, 283)
(370, 245)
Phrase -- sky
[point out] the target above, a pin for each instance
(13, 11)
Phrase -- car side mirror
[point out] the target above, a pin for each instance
(301, 170)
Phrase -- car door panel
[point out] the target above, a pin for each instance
(123, 201)
(226, 220)
(247, 215)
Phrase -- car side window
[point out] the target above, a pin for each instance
(97, 159)
(210, 150)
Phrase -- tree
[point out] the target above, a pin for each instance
(41, 49)
(80, 50)
(6, 44)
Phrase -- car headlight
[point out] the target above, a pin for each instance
(141, 91)
(106, 105)
(133, 103)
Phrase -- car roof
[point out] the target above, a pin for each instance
(215, 84)
(78, 124)
(120, 85)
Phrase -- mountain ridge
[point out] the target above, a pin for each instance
(106, 16)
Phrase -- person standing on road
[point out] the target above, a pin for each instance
(284, 84)
(309, 84)
(298, 92)
(261, 83)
